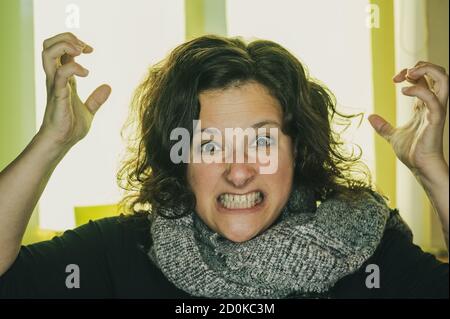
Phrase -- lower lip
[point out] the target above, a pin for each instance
(258, 207)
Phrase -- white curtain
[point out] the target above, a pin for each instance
(127, 36)
(411, 46)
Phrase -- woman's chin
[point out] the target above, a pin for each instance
(239, 236)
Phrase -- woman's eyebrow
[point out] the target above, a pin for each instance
(210, 130)
(266, 122)
(257, 125)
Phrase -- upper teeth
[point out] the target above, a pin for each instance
(240, 201)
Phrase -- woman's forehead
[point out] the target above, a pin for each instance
(241, 106)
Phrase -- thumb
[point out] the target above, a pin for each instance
(381, 126)
(98, 97)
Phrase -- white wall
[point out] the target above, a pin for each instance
(127, 37)
(330, 37)
(412, 45)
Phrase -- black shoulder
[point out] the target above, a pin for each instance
(407, 271)
(134, 228)
(404, 270)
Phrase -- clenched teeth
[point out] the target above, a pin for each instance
(233, 201)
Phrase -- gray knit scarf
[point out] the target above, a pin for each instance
(304, 253)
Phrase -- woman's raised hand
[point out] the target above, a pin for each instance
(418, 143)
(67, 119)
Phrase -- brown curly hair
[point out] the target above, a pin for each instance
(169, 98)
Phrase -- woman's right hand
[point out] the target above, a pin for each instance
(67, 119)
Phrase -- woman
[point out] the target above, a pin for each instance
(221, 227)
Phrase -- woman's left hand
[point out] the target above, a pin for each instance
(418, 143)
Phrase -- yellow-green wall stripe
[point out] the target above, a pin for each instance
(17, 99)
(383, 68)
(205, 17)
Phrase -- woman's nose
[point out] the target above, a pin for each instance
(239, 174)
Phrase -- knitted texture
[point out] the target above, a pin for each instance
(304, 253)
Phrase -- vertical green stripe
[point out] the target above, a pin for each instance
(194, 18)
(17, 99)
(17, 112)
(383, 69)
(205, 17)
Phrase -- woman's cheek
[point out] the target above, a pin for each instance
(202, 178)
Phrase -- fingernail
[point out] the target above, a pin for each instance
(86, 71)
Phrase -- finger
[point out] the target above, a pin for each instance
(73, 83)
(98, 97)
(381, 126)
(51, 55)
(63, 74)
(421, 63)
(67, 37)
(437, 74)
(67, 58)
(437, 113)
(436, 71)
(403, 76)
(400, 77)
(88, 49)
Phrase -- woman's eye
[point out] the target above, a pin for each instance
(263, 141)
(210, 148)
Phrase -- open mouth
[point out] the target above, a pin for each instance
(238, 201)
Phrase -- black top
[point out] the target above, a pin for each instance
(112, 261)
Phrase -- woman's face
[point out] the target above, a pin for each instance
(235, 199)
